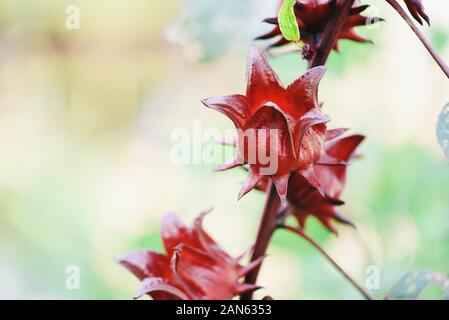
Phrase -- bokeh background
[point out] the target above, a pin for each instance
(85, 122)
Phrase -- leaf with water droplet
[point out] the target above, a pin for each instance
(443, 130)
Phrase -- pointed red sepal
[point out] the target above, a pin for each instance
(144, 264)
(354, 36)
(301, 217)
(326, 222)
(253, 265)
(250, 183)
(310, 175)
(343, 220)
(335, 133)
(174, 232)
(273, 20)
(358, 10)
(281, 183)
(416, 9)
(226, 166)
(263, 82)
(270, 34)
(327, 160)
(311, 118)
(344, 148)
(247, 288)
(335, 202)
(159, 288)
(207, 244)
(235, 107)
(244, 253)
(304, 90)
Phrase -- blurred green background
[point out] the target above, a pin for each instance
(85, 122)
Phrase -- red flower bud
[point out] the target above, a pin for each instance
(312, 17)
(193, 268)
(287, 121)
(416, 8)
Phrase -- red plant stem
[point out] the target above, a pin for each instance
(267, 226)
(306, 237)
(268, 222)
(331, 33)
(396, 6)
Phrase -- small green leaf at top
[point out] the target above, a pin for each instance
(413, 284)
(287, 21)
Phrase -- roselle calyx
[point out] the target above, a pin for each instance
(286, 122)
(193, 267)
(312, 17)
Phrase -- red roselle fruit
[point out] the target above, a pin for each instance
(287, 121)
(312, 17)
(194, 267)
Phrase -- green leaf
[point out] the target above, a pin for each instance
(287, 21)
(411, 286)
